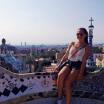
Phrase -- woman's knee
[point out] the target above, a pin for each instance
(61, 76)
(63, 72)
(60, 79)
(70, 80)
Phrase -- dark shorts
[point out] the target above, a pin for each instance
(72, 64)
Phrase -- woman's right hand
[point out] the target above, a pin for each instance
(56, 69)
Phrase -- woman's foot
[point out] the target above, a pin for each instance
(59, 101)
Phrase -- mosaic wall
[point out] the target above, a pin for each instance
(93, 83)
(12, 87)
(17, 85)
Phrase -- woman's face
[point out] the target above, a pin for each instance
(81, 35)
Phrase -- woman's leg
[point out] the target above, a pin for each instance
(68, 84)
(60, 80)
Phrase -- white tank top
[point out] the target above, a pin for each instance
(78, 56)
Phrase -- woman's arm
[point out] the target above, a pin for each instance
(88, 52)
(65, 57)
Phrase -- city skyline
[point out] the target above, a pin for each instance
(49, 21)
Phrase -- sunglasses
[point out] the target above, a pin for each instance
(79, 34)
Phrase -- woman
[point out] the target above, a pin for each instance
(77, 54)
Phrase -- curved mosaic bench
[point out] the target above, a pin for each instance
(14, 85)
(18, 88)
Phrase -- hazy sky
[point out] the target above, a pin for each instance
(49, 21)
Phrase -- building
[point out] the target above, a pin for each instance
(90, 61)
(99, 59)
(5, 48)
